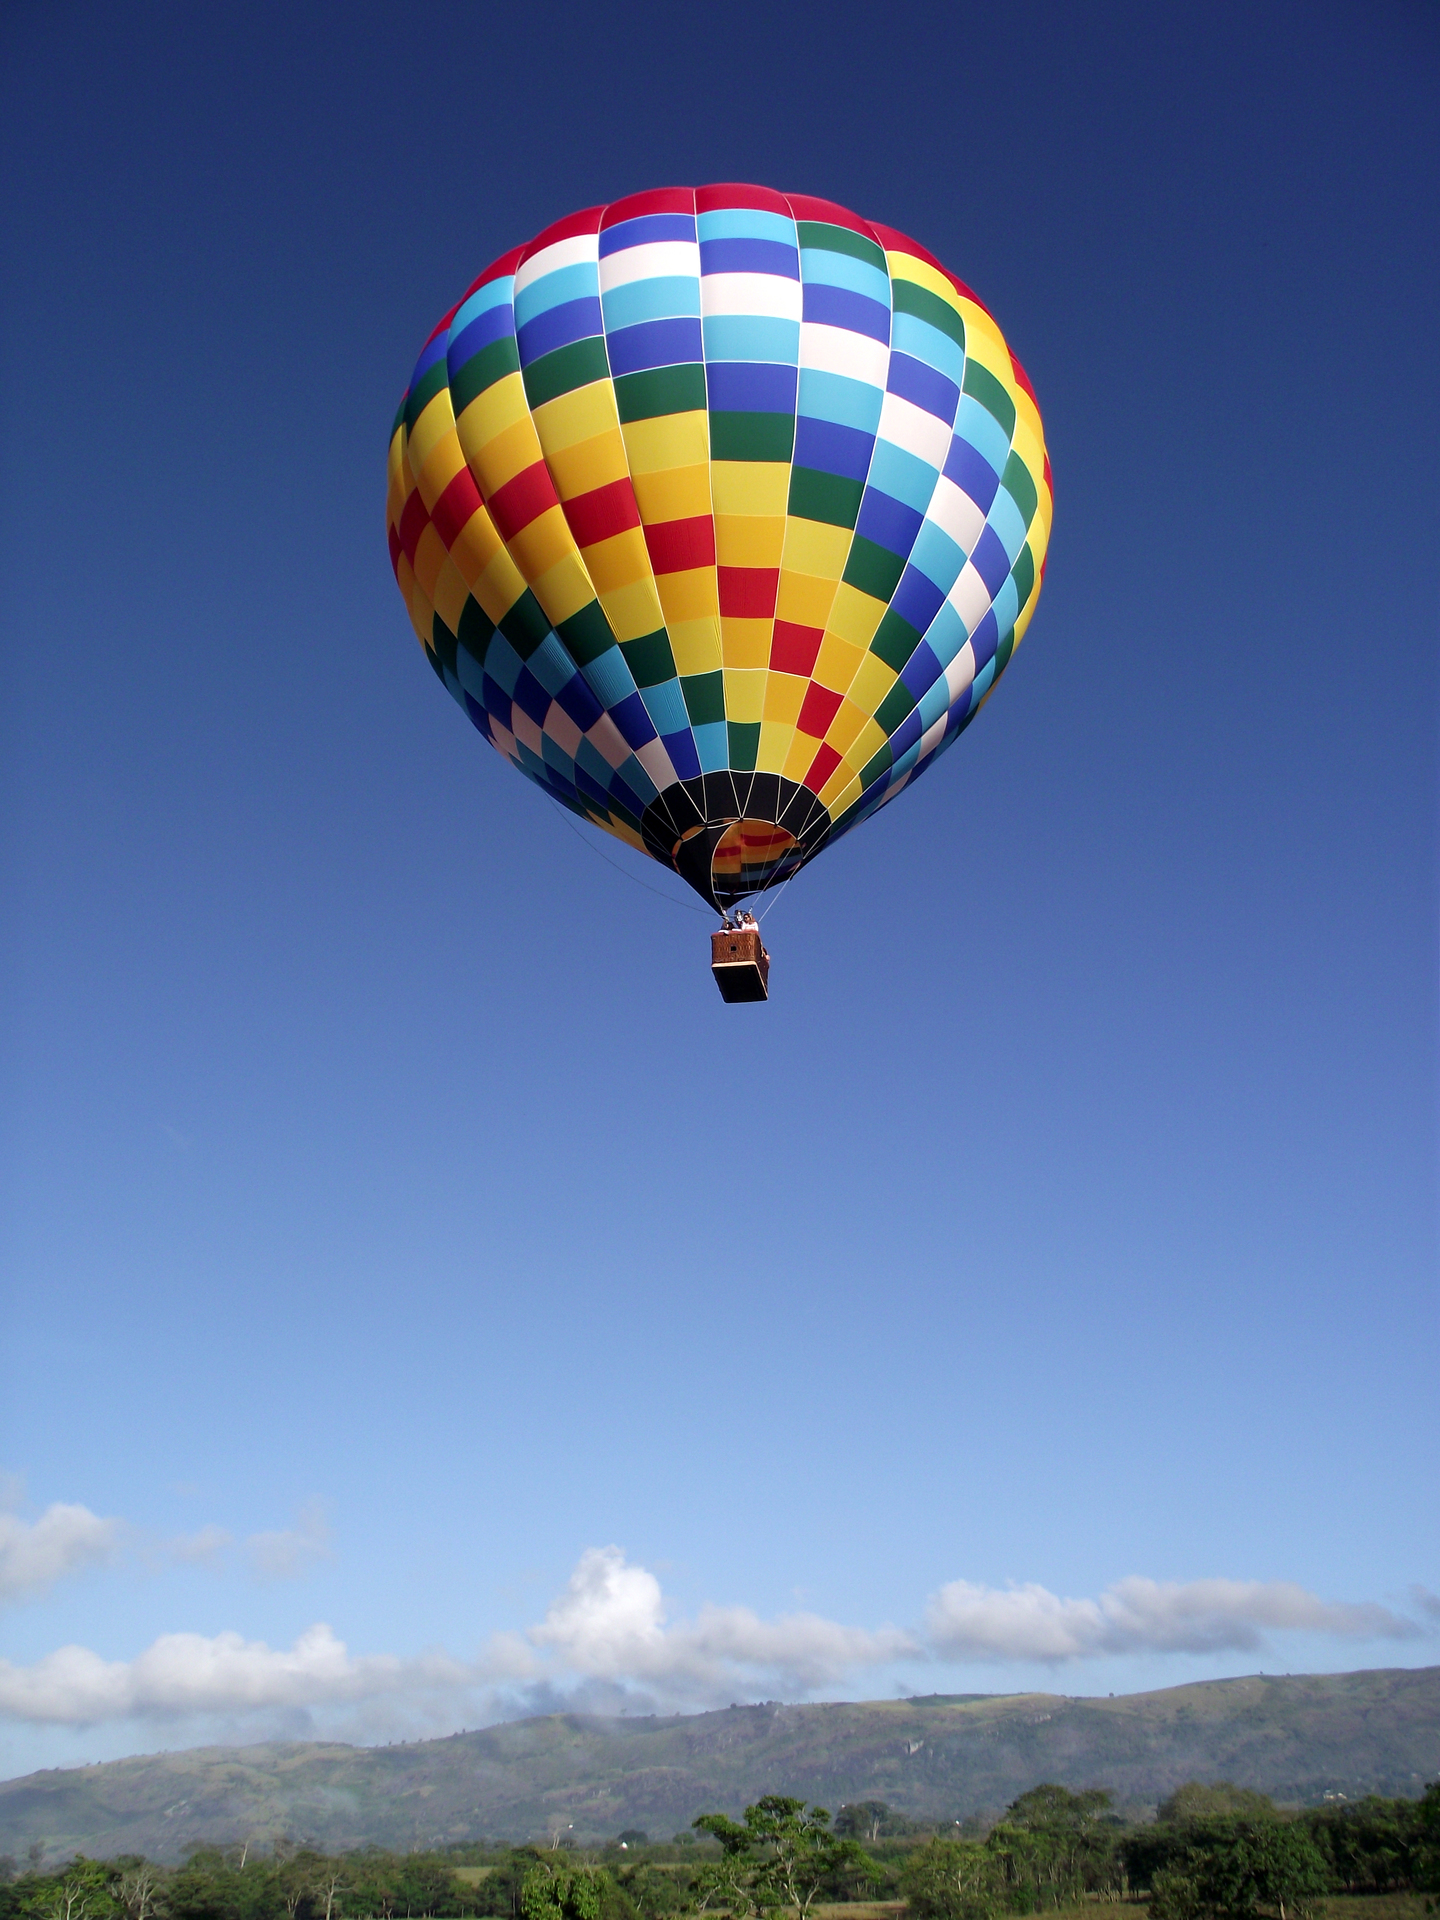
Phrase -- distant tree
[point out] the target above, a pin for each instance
(633, 1837)
(376, 1889)
(1175, 1894)
(328, 1888)
(292, 1885)
(724, 1885)
(783, 1855)
(1052, 1846)
(137, 1889)
(1370, 1845)
(871, 1820)
(652, 1892)
(1049, 1805)
(952, 1880)
(498, 1894)
(560, 1893)
(1231, 1870)
(1426, 1846)
(1199, 1800)
(425, 1887)
(80, 1891)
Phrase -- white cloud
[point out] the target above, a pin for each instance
(34, 1554)
(68, 1539)
(608, 1639)
(610, 1623)
(291, 1551)
(201, 1549)
(966, 1622)
(186, 1673)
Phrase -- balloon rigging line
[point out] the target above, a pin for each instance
(794, 874)
(659, 894)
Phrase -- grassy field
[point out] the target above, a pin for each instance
(1375, 1906)
(1339, 1906)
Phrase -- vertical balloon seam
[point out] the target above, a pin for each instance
(463, 512)
(727, 687)
(524, 254)
(904, 245)
(899, 665)
(639, 204)
(868, 489)
(901, 774)
(736, 202)
(898, 245)
(604, 594)
(722, 208)
(406, 531)
(616, 760)
(903, 248)
(857, 563)
(959, 718)
(819, 211)
(398, 496)
(412, 524)
(455, 626)
(813, 214)
(573, 226)
(553, 637)
(592, 619)
(610, 381)
(790, 468)
(468, 511)
(1010, 373)
(955, 721)
(729, 676)
(1006, 642)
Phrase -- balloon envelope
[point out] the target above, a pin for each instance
(720, 512)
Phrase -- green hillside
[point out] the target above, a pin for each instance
(936, 1759)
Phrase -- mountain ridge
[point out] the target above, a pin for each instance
(936, 1758)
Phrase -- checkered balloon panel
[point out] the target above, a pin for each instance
(720, 512)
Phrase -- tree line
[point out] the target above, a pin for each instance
(1212, 1853)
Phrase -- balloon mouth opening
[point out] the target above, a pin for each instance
(732, 835)
(751, 855)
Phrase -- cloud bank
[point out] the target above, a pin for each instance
(966, 1622)
(65, 1539)
(608, 1636)
(186, 1673)
(290, 1551)
(610, 1623)
(68, 1539)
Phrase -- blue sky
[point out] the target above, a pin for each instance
(403, 1246)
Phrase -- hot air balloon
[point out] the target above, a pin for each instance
(720, 511)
